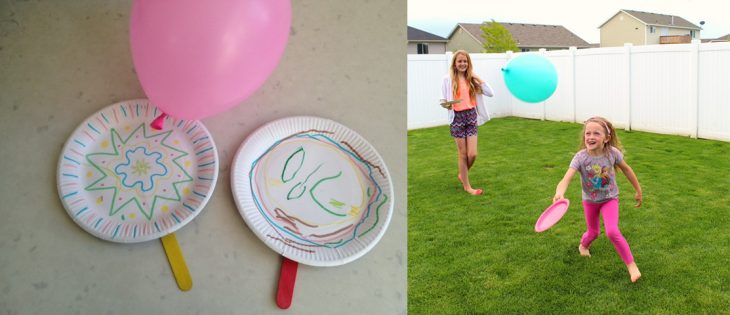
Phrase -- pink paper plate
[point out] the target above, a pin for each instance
(552, 215)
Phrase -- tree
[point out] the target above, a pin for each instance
(497, 39)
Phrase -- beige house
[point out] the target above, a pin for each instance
(422, 42)
(643, 28)
(529, 37)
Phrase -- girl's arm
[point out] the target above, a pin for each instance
(631, 176)
(487, 89)
(444, 93)
(563, 184)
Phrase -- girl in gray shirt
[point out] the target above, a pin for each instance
(596, 161)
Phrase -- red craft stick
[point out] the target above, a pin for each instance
(287, 278)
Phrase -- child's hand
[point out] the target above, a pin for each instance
(557, 197)
(638, 198)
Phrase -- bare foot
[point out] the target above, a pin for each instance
(634, 271)
(584, 251)
(475, 192)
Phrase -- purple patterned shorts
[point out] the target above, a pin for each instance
(464, 124)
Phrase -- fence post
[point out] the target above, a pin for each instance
(448, 55)
(572, 50)
(694, 54)
(508, 54)
(627, 58)
(542, 53)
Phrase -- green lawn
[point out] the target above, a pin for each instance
(480, 254)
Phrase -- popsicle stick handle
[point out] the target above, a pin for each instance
(177, 262)
(287, 278)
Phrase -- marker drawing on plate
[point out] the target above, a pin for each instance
(316, 192)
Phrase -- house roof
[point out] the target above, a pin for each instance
(415, 34)
(657, 19)
(530, 35)
(719, 39)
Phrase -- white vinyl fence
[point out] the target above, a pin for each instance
(681, 89)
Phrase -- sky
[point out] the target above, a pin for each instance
(582, 17)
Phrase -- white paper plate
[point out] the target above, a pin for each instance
(312, 190)
(123, 181)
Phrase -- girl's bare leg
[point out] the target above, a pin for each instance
(463, 176)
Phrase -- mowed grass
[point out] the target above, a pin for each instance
(480, 254)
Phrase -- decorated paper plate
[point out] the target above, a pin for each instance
(123, 181)
(313, 190)
(552, 215)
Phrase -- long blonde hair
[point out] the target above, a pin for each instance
(475, 86)
(613, 140)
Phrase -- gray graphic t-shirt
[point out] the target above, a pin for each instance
(597, 174)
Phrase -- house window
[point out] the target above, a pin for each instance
(422, 48)
(651, 29)
(524, 49)
(692, 34)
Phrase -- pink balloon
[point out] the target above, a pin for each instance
(197, 58)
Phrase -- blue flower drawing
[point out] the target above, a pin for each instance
(141, 168)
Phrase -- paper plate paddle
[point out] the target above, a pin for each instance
(552, 215)
(448, 104)
(123, 181)
(312, 190)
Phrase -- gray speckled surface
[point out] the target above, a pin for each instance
(62, 62)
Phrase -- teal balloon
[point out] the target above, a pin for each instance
(530, 77)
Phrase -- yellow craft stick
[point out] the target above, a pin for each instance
(177, 262)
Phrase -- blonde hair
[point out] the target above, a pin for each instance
(613, 140)
(475, 86)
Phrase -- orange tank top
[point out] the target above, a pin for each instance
(466, 101)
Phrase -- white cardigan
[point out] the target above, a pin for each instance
(448, 95)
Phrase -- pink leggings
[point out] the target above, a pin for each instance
(609, 209)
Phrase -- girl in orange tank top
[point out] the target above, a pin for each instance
(465, 86)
